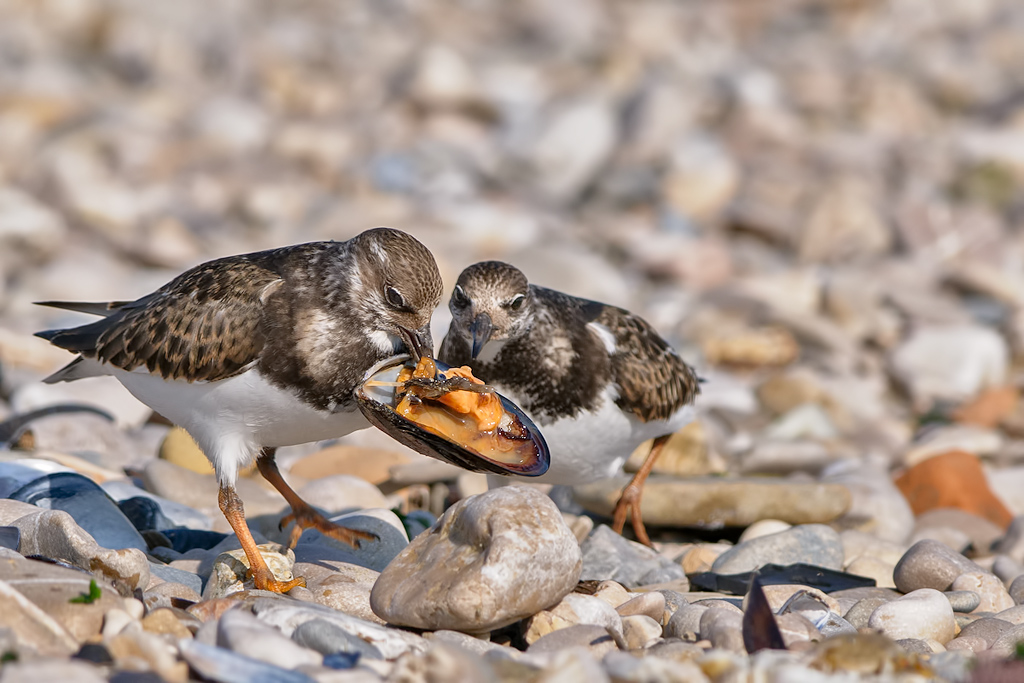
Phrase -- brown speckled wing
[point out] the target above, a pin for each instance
(205, 324)
(653, 381)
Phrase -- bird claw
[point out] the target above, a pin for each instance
(266, 581)
(308, 518)
(629, 502)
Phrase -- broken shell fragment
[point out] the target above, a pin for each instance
(448, 414)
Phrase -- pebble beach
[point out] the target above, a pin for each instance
(819, 204)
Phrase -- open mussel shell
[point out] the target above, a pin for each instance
(376, 399)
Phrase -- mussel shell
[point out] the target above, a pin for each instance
(375, 404)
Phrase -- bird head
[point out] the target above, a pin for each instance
(399, 287)
(491, 301)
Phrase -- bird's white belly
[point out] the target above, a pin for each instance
(594, 446)
(232, 419)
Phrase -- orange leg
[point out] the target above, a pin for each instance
(263, 578)
(629, 499)
(304, 516)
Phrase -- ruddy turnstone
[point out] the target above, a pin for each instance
(596, 379)
(248, 353)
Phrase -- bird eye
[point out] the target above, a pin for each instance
(394, 298)
(459, 297)
(517, 302)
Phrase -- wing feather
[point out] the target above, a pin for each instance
(205, 324)
(653, 381)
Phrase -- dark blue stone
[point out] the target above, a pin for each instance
(341, 660)
(88, 505)
(144, 513)
(10, 537)
(183, 540)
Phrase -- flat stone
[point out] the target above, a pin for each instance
(224, 666)
(53, 533)
(35, 632)
(609, 556)
(720, 501)
(813, 544)
(287, 615)
(594, 638)
(314, 547)
(340, 586)
(52, 588)
(491, 559)
(922, 614)
(240, 631)
(930, 564)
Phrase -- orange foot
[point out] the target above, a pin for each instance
(263, 579)
(305, 517)
(629, 501)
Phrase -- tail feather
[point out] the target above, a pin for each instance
(100, 308)
(79, 368)
(81, 339)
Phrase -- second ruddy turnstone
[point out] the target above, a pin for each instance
(596, 379)
(252, 352)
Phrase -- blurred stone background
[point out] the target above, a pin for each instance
(817, 202)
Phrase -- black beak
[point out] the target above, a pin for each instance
(481, 332)
(419, 342)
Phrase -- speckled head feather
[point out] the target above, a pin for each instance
(398, 279)
(498, 290)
